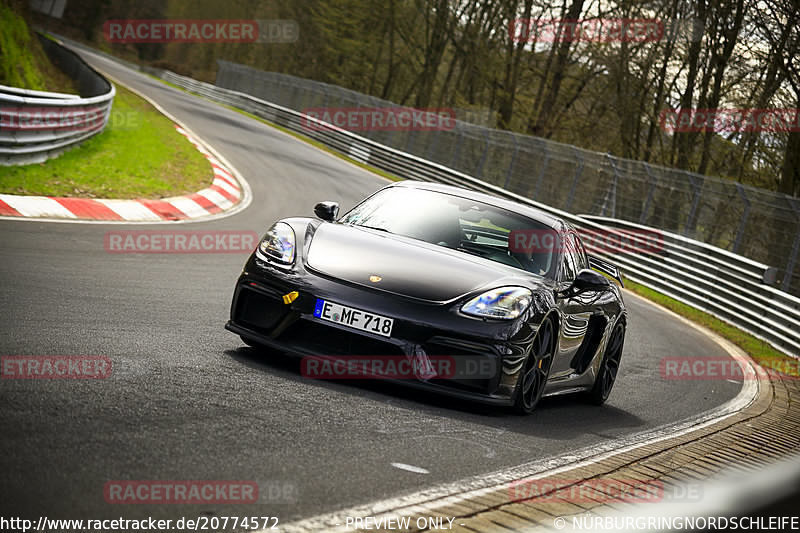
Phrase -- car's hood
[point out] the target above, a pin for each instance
(405, 266)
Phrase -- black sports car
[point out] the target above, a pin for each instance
(421, 271)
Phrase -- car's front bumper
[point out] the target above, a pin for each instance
(258, 312)
(431, 386)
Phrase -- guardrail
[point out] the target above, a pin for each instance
(726, 285)
(756, 223)
(37, 125)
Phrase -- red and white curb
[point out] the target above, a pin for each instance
(223, 194)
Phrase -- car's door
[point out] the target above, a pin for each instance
(575, 313)
(597, 307)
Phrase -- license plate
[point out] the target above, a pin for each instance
(354, 318)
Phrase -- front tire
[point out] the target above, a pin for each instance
(609, 367)
(536, 369)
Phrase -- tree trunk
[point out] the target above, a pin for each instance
(542, 125)
(683, 139)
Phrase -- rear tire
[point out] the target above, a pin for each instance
(536, 370)
(609, 367)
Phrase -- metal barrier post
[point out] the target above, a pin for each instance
(541, 173)
(651, 187)
(578, 171)
(457, 148)
(513, 160)
(745, 215)
(479, 172)
(690, 220)
(613, 192)
(786, 284)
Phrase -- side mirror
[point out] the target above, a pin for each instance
(589, 280)
(327, 210)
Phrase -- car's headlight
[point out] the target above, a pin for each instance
(504, 302)
(278, 244)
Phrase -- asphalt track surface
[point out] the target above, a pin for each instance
(188, 401)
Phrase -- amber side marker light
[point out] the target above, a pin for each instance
(289, 298)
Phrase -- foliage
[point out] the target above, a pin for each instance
(23, 62)
(604, 96)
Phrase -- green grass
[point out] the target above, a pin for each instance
(23, 62)
(764, 354)
(139, 155)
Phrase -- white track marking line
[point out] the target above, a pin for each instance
(37, 206)
(214, 161)
(453, 493)
(411, 468)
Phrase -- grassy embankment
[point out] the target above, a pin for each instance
(138, 155)
(760, 351)
(23, 62)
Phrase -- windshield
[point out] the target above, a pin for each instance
(457, 223)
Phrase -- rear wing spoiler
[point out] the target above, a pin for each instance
(606, 268)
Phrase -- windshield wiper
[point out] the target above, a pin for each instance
(372, 227)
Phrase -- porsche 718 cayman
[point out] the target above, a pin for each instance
(421, 270)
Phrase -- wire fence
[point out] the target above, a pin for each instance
(759, 224)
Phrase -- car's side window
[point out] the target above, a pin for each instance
(568, 270)
(581, 261)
